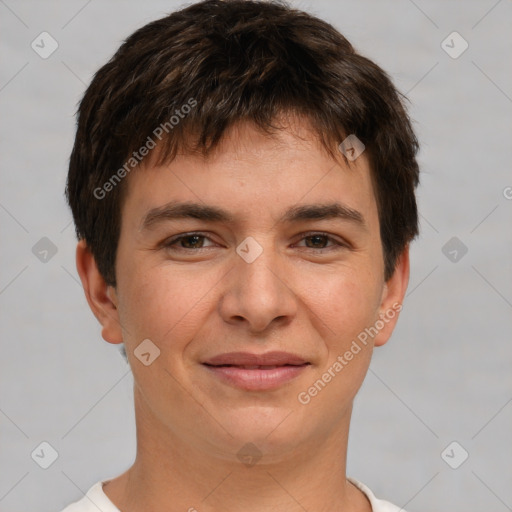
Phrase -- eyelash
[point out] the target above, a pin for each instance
(169, 244)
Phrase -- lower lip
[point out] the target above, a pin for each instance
(258, 379)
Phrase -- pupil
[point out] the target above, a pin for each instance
(192, 237)
(318, 238)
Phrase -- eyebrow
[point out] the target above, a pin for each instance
(189, 210)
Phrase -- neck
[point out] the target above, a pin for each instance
(172, 475)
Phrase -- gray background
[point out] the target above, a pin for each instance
(444, 376)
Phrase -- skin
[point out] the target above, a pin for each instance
(303, 295)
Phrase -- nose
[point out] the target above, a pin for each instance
(259, 294)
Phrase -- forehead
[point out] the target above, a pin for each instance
(251, 171)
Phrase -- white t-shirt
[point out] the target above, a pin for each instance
(96, 499)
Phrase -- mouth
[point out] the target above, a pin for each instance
(256, 372)
(251, 367)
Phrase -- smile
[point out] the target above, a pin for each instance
(256, 372)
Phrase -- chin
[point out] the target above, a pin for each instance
(272, 429)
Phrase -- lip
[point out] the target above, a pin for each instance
(256, 372)
(251, 359)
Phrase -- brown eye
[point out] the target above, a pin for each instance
(317, 241)
(189, 241)
(193, 240)
(320, 241)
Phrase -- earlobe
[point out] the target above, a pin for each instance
(102, 298)
(392, 298)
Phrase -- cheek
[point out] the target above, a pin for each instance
(347, 303)
(164, 306)
(345, 306)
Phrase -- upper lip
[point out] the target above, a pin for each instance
(250, 359)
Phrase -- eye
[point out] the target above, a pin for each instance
(315, 241)
(187, 241)
(319, 240)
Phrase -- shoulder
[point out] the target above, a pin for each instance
(95, 499)
(377, 504)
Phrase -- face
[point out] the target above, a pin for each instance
(254, 273)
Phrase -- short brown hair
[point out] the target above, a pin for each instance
(229, 61)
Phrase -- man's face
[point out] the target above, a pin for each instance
(267, 279)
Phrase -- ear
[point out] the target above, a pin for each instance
(101, 297)
(393, 295)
